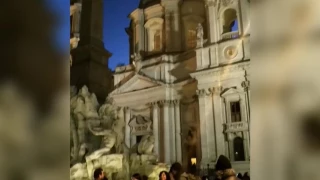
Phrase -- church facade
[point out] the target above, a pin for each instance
(188, 80)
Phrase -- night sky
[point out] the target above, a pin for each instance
(115, 37)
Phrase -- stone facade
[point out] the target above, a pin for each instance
(189, 76)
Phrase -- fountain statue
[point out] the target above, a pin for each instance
(97, 140)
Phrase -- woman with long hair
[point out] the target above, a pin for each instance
(164, 175)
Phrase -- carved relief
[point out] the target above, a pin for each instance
(140, 125)
(230, 52)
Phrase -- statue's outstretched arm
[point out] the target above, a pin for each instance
(97, 133)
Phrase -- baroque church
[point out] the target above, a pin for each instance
(188, 81)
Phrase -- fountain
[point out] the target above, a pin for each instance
(97, 140)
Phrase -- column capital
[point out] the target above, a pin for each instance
(209, 91)
(166, 102)
(209, 3)
(245, 85)
(176, 101)
(154, 104)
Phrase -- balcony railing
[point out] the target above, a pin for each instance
(236, 126)
(230, 35)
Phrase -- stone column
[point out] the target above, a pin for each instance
(211, 21)
(172, 131)
(127, 127)
(178, 131)
(133, 140)
(155, 123)
(207, 126)
(166, 134)
(246, 145)
(218, 120)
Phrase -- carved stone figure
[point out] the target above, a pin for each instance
(118, 127)
(108, 114)
(146, 145)
(137, 61)
(199, 35)
(108, 141)
(79, 171)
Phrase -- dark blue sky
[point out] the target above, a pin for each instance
(115, 37)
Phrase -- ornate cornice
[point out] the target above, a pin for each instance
(165, 102)
(221, 70)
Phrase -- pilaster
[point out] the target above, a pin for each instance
(207, 126)
(218, 120)
(127, 127)
(172, 25)
(178, 131)
(155, 119)
(166, 130)
(211, 20)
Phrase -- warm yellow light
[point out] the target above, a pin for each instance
(193, 161)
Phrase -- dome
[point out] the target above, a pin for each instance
(147, 3)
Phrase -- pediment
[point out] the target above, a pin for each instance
(229, 91)
(136, 83)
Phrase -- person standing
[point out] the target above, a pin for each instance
(224, 169)
(164, 175)
(98, 174)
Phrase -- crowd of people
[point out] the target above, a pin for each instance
(223, 171)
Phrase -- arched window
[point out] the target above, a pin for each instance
(230, 20)
(154, 29)
(238, 149)
(230, 24)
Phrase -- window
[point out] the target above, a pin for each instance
(238, 149)
(191, 39)
(230, 21)
(235, 111)
(157, 40)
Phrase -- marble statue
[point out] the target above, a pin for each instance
(118, 127)
(79, 172)
(89, 119)
(107, 114)
(199, 35)
(146, 145)
(108, 141)
(136, 61)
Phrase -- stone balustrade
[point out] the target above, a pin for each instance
(230, 35)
